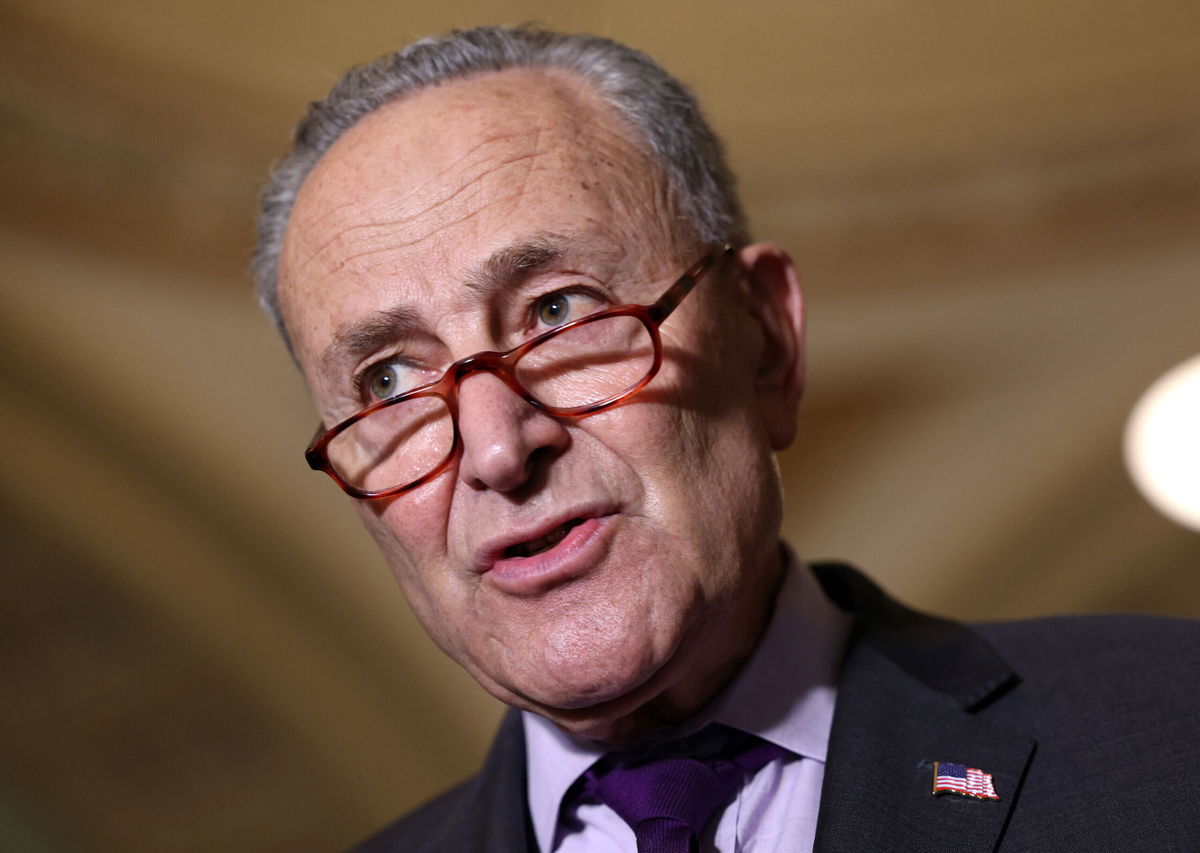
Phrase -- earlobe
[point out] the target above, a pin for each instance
(770, 289)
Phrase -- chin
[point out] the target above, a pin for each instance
(615, 721)
(614, 706)
(595, 695)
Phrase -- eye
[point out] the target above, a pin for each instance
(562, 306)
(384, 382)
(554, 310)
(387, 379)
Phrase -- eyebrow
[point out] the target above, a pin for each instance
(357, 338)
(512, 264)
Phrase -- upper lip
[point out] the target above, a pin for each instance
(493, 547)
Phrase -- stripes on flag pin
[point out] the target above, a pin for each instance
(950, 778)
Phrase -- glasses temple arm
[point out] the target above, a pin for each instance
(670, 300)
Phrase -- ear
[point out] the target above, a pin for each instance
(770, 290)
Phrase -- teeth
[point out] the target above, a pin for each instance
(544, 543)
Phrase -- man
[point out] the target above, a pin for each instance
(586, 515)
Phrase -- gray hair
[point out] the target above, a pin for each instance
(658, 107)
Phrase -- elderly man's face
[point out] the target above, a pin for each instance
(400, 252)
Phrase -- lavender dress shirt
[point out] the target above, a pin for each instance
(785, 694)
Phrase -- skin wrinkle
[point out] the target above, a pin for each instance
(537, 152)
(665, 196)
(386, 227)
(383, 227)
(431, 181)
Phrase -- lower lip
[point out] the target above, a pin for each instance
(578, 551)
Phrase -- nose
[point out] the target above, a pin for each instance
(504, 437)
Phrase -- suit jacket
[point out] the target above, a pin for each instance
(1090, 727)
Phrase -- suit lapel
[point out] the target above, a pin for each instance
(914, 690)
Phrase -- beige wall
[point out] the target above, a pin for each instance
(995, 208)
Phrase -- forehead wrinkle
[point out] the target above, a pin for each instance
(569, 120)
(393, 245)
(476, 154)
(380, 234)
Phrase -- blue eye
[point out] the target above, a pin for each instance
(554, 310)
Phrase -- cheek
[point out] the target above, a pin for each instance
(411, 533)
(709, 471)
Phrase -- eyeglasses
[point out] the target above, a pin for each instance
(577, 369)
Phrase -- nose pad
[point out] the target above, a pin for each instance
(503, 435)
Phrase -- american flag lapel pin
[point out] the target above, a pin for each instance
(951, 778)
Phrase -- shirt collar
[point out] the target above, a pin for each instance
(784, 693)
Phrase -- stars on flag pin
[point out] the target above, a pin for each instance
(951, 778)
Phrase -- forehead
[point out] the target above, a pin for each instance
(412, 196)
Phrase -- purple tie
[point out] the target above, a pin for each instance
(668, 800)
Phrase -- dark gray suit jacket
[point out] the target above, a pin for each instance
(1090, 727)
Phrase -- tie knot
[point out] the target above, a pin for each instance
(667, 797)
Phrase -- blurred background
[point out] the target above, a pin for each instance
(995, 208)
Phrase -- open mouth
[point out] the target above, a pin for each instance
(542, 543)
